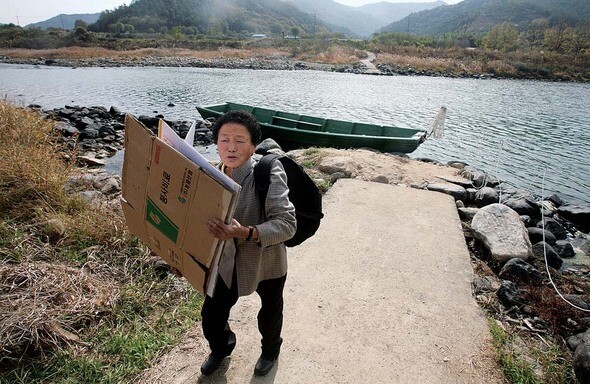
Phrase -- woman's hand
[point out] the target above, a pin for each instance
(224, 231)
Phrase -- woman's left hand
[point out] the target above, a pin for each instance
(224, 231)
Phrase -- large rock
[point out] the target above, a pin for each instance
(486, 196)
(457, 180)
(519, 270)
(577, 214)
(564, 249)
(538, 234)
(478, 177)
(467, 213)
(54, 229)
(346, 165)
(522, 205)
(510, 295)
(574, 341)
(66, 129)
(582, 363)
(90, 161)
(485, 284)
(540, 250)
(556, 200)
(502, 232)
(457, 191)
(579, 302)
(88, 133)
(554, 227)
(106, 130)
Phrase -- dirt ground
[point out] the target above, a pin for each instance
(369, 165)
(381, 294)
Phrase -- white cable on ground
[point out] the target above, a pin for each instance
(545, 249)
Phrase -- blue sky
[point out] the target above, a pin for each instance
(23, 12)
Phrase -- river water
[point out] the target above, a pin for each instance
(531, 134)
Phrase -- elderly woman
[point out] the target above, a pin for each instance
(254, 257)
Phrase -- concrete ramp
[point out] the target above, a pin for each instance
(370, 68)
(381, 294)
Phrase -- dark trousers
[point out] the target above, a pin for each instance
(215, 315)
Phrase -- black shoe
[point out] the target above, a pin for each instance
(263, 366)
(211, 364)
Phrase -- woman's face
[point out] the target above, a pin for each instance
(234, 144)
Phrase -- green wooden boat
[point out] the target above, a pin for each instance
(292, 130)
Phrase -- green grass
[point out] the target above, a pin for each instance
(515, 368)
(530, 359)
(308, 164)
(311, 151)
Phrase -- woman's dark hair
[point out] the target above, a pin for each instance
(238, 117)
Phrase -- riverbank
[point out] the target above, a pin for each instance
(280, 60)
(508, 291)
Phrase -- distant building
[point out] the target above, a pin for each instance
(259, 35)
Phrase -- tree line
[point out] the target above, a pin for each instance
(538, 35)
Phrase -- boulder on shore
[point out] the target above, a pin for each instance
(502, 232)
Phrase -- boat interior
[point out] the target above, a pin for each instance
(310, 123)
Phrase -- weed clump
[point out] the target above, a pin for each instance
(32, 169)
(81, 300)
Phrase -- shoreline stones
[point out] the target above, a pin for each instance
(98, 133)
(520, 233)
(279, 64)
(263, 63)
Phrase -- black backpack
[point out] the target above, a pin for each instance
(303, 193)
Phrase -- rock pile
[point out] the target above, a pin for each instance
(97, 133)
(522, 239)
(282, 64)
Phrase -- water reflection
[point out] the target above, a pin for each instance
(518, 130)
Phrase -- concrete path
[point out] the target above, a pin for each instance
(371, 69)
(381, 294)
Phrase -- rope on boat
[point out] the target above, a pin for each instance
(437, 127)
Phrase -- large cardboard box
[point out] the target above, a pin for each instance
(167, 199)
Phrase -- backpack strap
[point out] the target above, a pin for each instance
(262, 177)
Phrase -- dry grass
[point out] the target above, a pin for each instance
(448, 65)
(41, 226)
(330, 55)
(333, 54)
(98, 52)
(438, 64)
(43, 305)
(33, 179)
(80, 299)
(32, 170)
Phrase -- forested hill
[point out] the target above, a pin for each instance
(481, 15)
(65, 21)
(208, 17)
(363, 20)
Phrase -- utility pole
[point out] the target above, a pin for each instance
(17, 22)
(62, 20)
